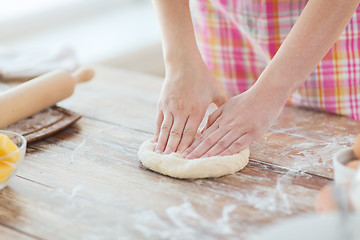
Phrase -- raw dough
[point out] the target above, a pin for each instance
(175, 165)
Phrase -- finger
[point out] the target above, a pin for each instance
(175, 135)
(222, 144)
(238, 145)
(164, 133)
(212, 118)
(206, 144)
(159, 121)
(198, 141)
(191, 126)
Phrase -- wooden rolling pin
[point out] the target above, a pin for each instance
(38, 94)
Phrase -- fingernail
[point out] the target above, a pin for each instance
(158, 151)
(184, 154)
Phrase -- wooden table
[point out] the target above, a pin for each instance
(87, 183)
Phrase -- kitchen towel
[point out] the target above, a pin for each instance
(25, 64)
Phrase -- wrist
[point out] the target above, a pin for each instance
(278, 82)
(269, 93)
(181, 55)
(181, 61)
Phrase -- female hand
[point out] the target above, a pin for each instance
(187, 92)
(236, 124)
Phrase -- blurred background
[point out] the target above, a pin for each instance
(118, 33)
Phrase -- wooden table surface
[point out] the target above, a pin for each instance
(87, 182)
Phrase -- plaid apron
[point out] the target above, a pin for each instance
(238, 38)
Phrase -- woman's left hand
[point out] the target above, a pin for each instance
(237, 124)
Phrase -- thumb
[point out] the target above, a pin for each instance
(212, 118)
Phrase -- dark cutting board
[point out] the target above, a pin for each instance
(44, 123)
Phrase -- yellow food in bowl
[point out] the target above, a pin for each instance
(7, 147)
(8, 154)
(5, 170)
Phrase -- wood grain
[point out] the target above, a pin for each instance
(121, 186)
(45, 123)
(86, 182)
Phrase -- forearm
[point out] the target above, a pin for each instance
(178, 38)
(318, 27)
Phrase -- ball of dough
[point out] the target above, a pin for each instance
(174, 165)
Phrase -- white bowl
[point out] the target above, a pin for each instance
(20, 142)
(312, 227)
(342, 173)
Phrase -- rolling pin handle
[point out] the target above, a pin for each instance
(83, 74)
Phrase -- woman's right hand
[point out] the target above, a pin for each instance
(189, 86)
(188, 90)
